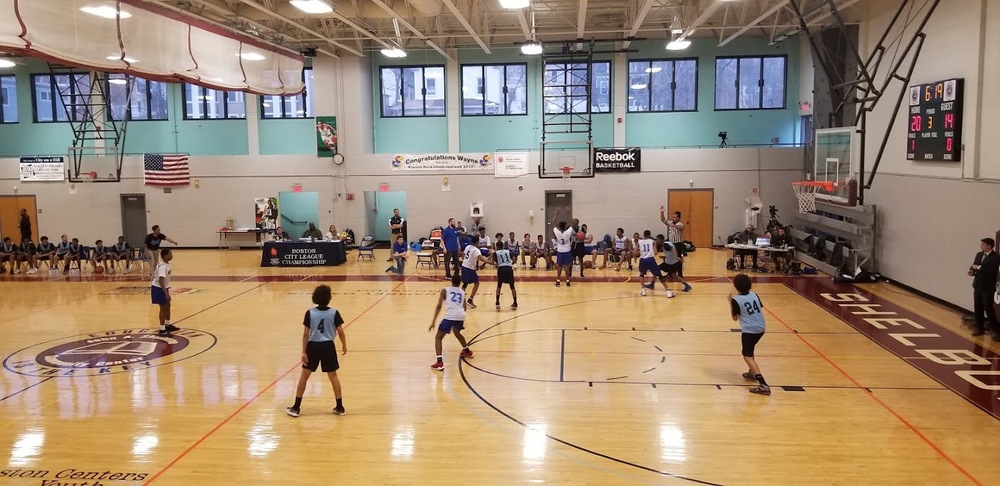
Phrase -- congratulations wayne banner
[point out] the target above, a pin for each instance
(442, 162)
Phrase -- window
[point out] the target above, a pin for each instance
(295, 106)
(412, 91)
(658, 86)
(495, 89)
(750, 83)
(148, 101)
(8, 99)
(212, 104)
(566, 87)
(49, 91)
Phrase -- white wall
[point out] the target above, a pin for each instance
(933, 214)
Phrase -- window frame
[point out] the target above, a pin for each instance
(673, 88)
(3, 101)
(423, 70)
(204, 104)
(566, 110)
(54, 93)
(760, 82)
(306, 99)
(149, 100)
(482, 69)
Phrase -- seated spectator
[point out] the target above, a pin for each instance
(313, 232)
(28, 254)
(545, 250)
(780, 240)
(620, 250)
(331, 233)
(281, 235)
(747, 237)
(530, 247)
(74, 254)
(62, 249)
(8, 253)
(100, 255)
(46, 253)
(513, 246)
(118, 252)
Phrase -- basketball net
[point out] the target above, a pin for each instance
(805, 192)
(88, 176)
(566, 171)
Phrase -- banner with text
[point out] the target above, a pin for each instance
(35, 169)
(511, 164)
(442, 162)
(617, 159)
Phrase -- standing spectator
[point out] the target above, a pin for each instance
(25, 225)
(449, 237)
(395, 227)
(984, 272)
(152, 247)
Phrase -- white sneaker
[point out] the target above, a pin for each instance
(16, 271)
(33, 271)
(643, 292)
(128, 268)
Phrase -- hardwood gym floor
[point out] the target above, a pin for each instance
(591, 384)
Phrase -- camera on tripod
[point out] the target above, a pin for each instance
(773, 210)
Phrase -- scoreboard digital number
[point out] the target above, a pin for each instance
(935, 132)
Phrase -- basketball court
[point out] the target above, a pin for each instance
(592, 384)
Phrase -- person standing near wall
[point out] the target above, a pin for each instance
(25, 225)
(984, 282)
(449, 238)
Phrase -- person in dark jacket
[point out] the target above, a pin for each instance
(984, 282)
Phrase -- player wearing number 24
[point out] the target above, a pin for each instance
(984, 272)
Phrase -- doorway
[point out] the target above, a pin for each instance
(378, 210)
(134, 219)
(697, 207)
(561, 201)
(10, 216)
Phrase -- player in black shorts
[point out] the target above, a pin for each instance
(101, 256)
(27, 253)
(8, 253)
(73, 254)
(505, 271)
(321, 323)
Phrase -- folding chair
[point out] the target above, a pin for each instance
(425, 256)
(367, 248)
(139, 258)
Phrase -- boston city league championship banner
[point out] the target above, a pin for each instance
(442, 162)
(326, 136)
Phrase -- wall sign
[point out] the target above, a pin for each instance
(617, 159)
(511, 164)
(35, 169)
(442, 162)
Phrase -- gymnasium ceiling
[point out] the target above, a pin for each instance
(359, 27)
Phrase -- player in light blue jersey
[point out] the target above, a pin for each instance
(747, 308)
(504, 261)
(318, 348)
(453, 300)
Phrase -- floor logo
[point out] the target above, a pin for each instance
(114, 351)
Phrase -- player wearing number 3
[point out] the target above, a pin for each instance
(453, 300)
(318, 348)
(747, 308)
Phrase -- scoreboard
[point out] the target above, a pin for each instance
(935, 119)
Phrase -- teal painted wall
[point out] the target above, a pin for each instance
(287, 137)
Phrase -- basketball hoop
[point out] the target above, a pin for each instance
(88, 176)
(805, 192)
(566, 171)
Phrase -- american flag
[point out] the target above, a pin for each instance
(166, 169)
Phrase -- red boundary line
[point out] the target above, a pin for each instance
(249, 402)
(899, 417)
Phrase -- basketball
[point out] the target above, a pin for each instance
(588, 264)
(99, 269)
(581, 236)
(670, 294)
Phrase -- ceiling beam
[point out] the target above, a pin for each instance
(413, 29)
(523, 20)
(764, 16)
(465, 23)
(815, 20)
(581, 19)
(637, 23)
(707, 14)
(302, 27)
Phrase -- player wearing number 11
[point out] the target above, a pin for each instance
(747, 308)
(318, 348)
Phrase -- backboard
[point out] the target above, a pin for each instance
(835, 161)
(94, 164)
(554, 155)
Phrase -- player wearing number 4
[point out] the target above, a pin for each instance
(453, 299)
(318, 348)
(747, 308)
(505, 271)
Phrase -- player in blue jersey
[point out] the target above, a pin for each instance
(453, 300)
(747, 308)
(504, 261)
(318, 349)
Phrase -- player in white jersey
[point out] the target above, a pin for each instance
(473, 257)
(160, 291)
(321, 322)
(563, 246)
(504, 261)
(647, 263)
(453, 300)
(621, 248)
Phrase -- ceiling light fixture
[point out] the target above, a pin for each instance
(312, 6)
(532, 48)
(678, 45)
(394, 53)
(654, 69)
(118, 81)
(675, 27)
(117, 57)
(105, 11)
(4, 63)
(514, 4)
(252, 56)
(638, 86)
